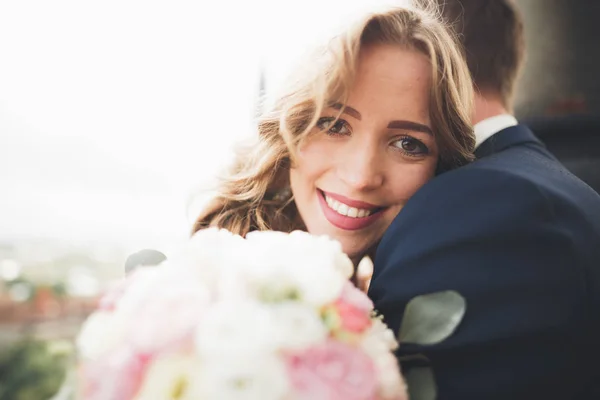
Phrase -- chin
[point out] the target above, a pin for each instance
(356, 253)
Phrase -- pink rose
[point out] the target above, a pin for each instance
(357, 298)
(332, 371)
(117, 376)
(352, 319)
(354, 309)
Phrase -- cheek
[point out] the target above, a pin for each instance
(407, 182)
(314, 159)
(309, 167)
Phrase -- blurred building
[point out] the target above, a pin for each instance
(563, 58)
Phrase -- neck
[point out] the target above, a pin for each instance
(486, 106)
(369, 253)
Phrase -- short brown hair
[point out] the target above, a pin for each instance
(491, 32)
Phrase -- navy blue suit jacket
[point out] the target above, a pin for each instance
(518, 236)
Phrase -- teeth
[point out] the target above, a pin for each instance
(344, 209)
(329, 201)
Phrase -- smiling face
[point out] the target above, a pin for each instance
(353, 176)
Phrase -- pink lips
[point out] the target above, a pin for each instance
(344, 222)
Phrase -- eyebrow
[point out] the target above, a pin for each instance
(347, 110)
(413, 126)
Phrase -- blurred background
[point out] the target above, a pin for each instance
(115, 115)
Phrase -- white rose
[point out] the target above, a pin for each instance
(170, 316)
(100, 333)
(104, 330)
(145, 282)
(171, 375)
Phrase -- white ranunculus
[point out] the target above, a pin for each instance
(378, 339)
(305, 247)
(312, 267)
(236, 377)
(326, 248)
(388, 376)
(296, 326)
(216, 247)
(208, 252)
(319, 288)
(235, 328)
(378, 343)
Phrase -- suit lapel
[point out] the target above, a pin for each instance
(506, 138)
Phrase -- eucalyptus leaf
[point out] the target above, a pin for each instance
(431, 318)
(421, 384)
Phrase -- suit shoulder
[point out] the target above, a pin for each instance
(479, 183)
(518, 172)
(485, 197)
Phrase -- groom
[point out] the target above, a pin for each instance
(514, 233)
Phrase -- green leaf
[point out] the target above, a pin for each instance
(29, 369)
(431, 318)
(421, 384)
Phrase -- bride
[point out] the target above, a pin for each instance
(382, 109)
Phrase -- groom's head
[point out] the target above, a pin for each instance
(491, 32)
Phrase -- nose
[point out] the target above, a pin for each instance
(361, 168)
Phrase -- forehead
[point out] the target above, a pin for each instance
(393, 70)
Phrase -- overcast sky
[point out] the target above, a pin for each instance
(112, 112)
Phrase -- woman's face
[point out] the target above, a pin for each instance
(353, 176)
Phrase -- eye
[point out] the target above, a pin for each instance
(411, 146)
(334, 126)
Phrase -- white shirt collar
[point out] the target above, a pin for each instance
(490, 126)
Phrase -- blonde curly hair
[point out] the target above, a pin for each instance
(246, 198)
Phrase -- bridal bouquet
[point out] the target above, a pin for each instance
(271, 316)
